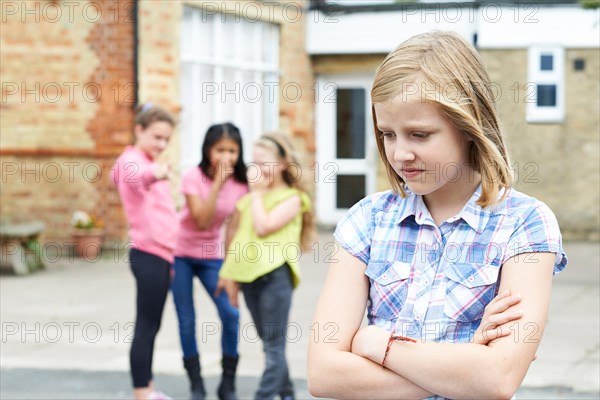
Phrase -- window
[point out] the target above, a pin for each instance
(545, 99)
(229, 73)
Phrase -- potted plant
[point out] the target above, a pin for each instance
(88, 234)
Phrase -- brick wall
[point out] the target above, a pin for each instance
(67, 97)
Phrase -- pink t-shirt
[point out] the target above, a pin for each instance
(208, 243)
(148, 204)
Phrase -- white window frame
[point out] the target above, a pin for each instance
(535, 113)
(264, 113)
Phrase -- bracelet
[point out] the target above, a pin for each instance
(391, 340)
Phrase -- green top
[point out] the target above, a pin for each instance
(249, 257)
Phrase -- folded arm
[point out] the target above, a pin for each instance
(333, 370)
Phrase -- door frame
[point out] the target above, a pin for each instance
(328, 166)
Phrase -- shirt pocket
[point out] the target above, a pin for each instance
(389, 287)
(469, 288)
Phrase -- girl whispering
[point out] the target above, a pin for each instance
(273, 222)
(211, 191)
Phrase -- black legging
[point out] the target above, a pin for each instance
(152, 276)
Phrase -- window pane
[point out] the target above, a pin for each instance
(248, 48)
(350, 189)
(187, 27)
(229, 46)
(546, 95)
(230, 95)
(546, 61)
(249, 104)
(350, 123)
(270, 44)
(270, 99)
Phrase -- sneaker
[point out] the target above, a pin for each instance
(158, 395)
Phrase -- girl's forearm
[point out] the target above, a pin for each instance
(484, 373)
(259, 214)
(344, 375)
(204, 214)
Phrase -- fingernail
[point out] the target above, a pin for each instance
(516, 297)
(506, 292)
(518, 312)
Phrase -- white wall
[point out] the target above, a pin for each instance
(520, 25)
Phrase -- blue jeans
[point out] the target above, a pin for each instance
(208, 273)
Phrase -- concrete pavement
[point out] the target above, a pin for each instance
(66, 331)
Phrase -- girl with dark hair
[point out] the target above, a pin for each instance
(144, 190)
(211, 191)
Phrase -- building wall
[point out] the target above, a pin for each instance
(556, 163)
(67, 86)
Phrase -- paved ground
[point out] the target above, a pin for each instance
(66, 332)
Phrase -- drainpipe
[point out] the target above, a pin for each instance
(135, 12)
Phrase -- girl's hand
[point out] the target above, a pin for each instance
(497, 313)
(162, 171)
(223, 171)
(232, 289)
(258, 183)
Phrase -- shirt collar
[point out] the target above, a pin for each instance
(415, 206)
(472, 213)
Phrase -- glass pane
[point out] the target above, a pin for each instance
(203, 37)
(350, 123)
(230, 95)
(270, 44)
(270, 101)
(546, 61)
(187, 26)
(546, 95)
(250, 98)
(248, 48)
(229, 44)
(350, 189)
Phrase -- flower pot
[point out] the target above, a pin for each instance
(88, 242)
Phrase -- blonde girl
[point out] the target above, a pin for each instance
(450, 258)
(272, 223)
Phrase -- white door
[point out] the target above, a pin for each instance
(346, 150)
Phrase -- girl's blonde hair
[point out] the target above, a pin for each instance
(292, 174)
(449, 73)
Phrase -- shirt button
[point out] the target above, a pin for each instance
(384, 276)
(471, 279)
(426, 282)
(418, 317)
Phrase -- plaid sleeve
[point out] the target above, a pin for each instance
(538, 233)
(353, 231)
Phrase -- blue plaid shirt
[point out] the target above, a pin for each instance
(432, 283)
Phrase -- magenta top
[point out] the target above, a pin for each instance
(148, 203)
(208, 243)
